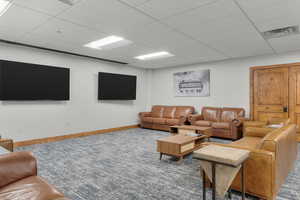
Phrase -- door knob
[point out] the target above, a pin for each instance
(285, 109)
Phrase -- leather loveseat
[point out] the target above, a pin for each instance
(273, 153)
(19, 180)
(162, 117)
(225, 122)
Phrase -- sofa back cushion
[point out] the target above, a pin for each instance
(211, 114)
(169, 112)
(157, 111)
(183, 111)
(229, 114)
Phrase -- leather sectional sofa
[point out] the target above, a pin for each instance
(162, 117)
(273, 155)
(225, 122)
(19, 180)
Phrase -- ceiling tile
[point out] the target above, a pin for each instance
(272, 14)
(51, 7)
(285, 44)
(228, 31)
(110, 16)
(63, 31)
(18, 20)
(162, 38)
(161, 9)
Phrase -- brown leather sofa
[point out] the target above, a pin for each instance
(225, 122)
(272, 157)
(19, 180)
(162, 117)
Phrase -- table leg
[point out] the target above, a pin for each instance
(204, 185)
(243, 181)
(160, 157)
(229, 193)
(213, 181)
(180, 159)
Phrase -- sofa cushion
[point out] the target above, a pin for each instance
(228, 115)
(32, 187)
(183, 111)
(148, 119)
(172, 122)
(211, 114)
(159, 120)
(157, 111)
(248, 142)
(203, 123)
(169, 112)
(221, 125)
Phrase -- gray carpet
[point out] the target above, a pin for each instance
(125, 165)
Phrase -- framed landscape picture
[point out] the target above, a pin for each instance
(192, 83)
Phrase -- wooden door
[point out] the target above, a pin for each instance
(295, 96)
(270, 93)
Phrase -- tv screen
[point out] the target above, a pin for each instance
(24, 81)
(116, 87)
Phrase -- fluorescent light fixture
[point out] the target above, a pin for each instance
(4, 5)
(110, 40)
(156, 55)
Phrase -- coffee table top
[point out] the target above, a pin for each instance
(190, 127)
(181, 139)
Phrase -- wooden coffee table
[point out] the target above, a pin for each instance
(185, 129)
(179, 145)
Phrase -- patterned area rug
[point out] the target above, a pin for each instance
(124, 165)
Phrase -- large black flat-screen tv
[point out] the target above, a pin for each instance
(116, 87)
(24, 81)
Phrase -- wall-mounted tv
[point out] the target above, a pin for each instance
(116, 87)
(24, 81)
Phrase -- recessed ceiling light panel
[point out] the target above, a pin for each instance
(156, 55)
(4, 5)
(108, 43)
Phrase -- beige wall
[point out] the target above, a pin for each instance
(37, 119)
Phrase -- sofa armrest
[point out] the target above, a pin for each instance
(257, 131)
(144, 114)
(195, 117)
(16, 166)
(238, 121)
(182, 120)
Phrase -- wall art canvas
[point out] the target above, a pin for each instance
(192, 83)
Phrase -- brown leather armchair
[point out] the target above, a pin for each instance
(225, 122)
(273, 153)
(19, 180)
(162, 117)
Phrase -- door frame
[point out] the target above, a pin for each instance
(252, 69)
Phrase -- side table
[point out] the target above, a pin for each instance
(221, 165)
(7, 144)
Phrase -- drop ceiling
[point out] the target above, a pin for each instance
(195, 31)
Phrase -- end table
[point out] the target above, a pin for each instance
(7, 144)
(221, 164)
